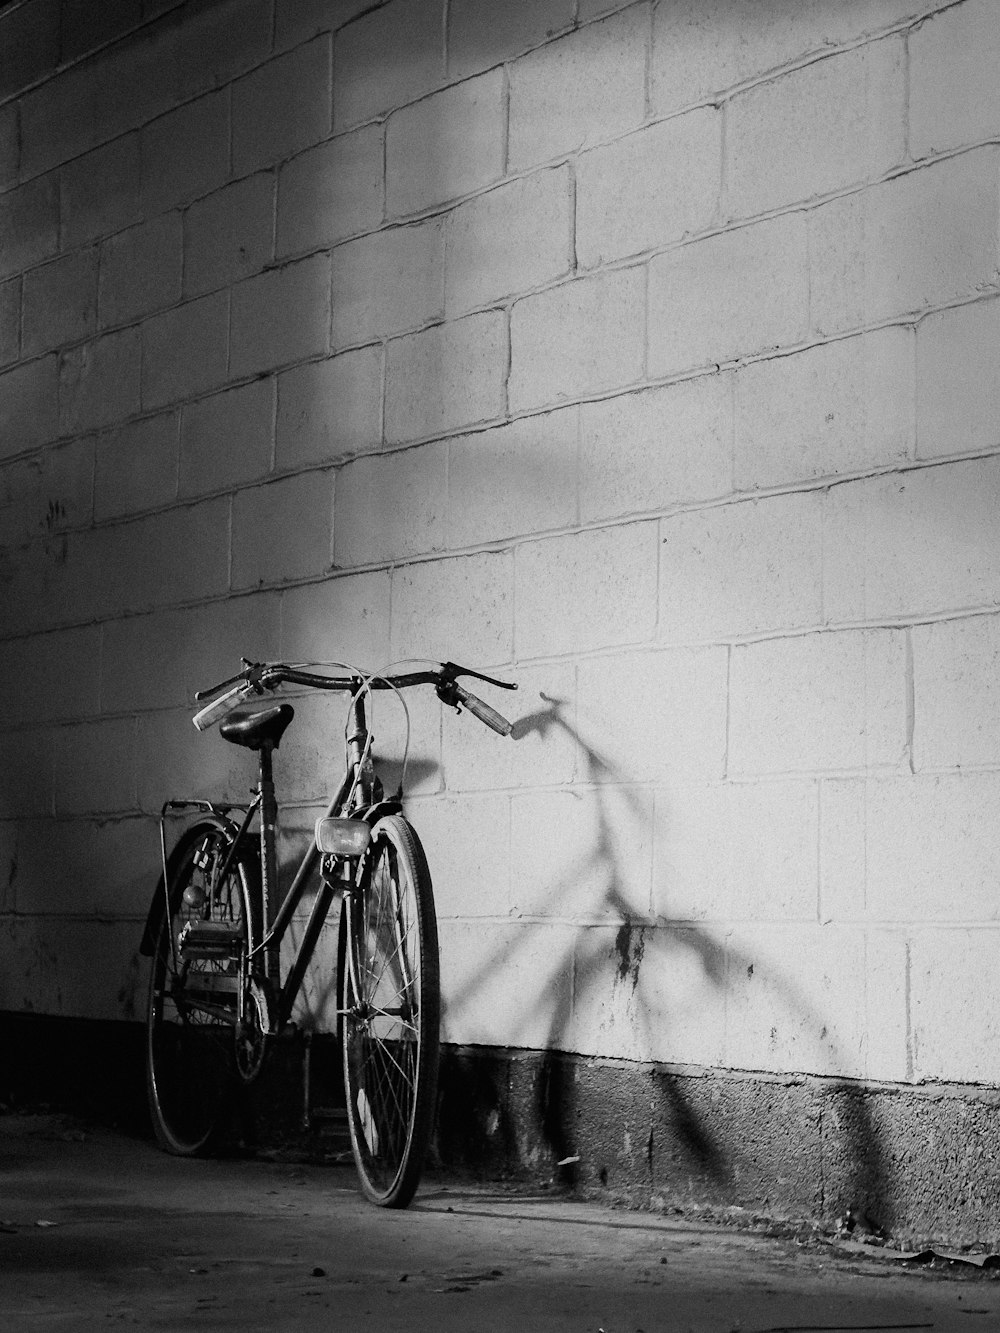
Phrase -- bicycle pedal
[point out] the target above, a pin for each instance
(210, 939)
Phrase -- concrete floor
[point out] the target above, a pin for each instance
(97, 1229)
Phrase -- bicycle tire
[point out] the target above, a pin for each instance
(390, 1008)
(190, 1049)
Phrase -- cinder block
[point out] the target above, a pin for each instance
(446, 378)
(843, 886)
(282, 107)
(95, 767)
(745, 568)
(577, 339)
(911, 849)
(740, 292)
(185, 153)
(76, 951)
(10, 145)
(331, 192)
(508, 985)
(468, 848)
(214, 44)
(300, 509)
(185, 350)
(596, 867)
(29, 224)
(227, 440)
(35, 594)
(328, 410)
(387, 283)
(175, 762)
(296, 21)
(184, 651)
(60, 302)
(736, 852)
(46, 690)
(680, 448)
(99, 192)
(541, 751)
(701, 47)
(916, 241)
(28, 405)
(650, 189)
(82, 30)
(796, 1001)
(98, 100)
(386, 58)
(136, 466)
(29, 38)
(83, 866)
(481, 34)
(99, 381)
(339, 620)
(956, 691)
(8, 856)
(391, 508)
(517, 479)
(834, 409)
(958, 383)
(653, 716)
(953, 93)
(580, 90)
(819, 703)
(141, 270)
(71, 103)
(458, 610)
(229, 235)
(953, 998)
(445, 146)
(912, 544)
(281, 316)
(648, 994)
(509, 240)
(177, 556)
(832, 124)
(588, 590)
(10, 321)
(30, 755)
(48, 493)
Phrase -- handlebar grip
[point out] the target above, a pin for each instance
(219, 707)
(484, 712)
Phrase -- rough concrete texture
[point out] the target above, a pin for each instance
(920, 1164)
(96, 1227)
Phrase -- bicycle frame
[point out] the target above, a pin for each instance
(353, 796)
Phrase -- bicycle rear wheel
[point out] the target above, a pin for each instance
(191, 1016)
(390, 1005)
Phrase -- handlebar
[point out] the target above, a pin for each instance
(257, 677)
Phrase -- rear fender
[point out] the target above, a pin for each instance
(157, 906)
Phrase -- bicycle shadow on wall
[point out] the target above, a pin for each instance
(638, 986)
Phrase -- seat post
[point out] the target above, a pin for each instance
(268, 848)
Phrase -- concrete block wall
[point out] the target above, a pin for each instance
(643, 353)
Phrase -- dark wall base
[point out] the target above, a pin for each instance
(922, 1163)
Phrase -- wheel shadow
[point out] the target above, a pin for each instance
(711, 1132)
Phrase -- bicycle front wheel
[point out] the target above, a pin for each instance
(192, 1011)
(390, 1005)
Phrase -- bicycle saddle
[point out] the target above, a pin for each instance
(256, 729)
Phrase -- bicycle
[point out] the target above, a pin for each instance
(216, 993)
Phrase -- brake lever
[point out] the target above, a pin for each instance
(451, 672)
